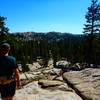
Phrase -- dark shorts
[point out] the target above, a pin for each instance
(8, 90)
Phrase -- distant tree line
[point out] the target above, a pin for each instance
(74, 48)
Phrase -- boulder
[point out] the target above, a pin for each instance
(86, 82)
(35, 66)
(49, 83)
(63, 64)
(54, 85)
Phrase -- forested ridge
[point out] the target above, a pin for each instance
(26, 48)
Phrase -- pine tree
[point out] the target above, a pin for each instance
(3, 30)
(93, 18)
(91, 28)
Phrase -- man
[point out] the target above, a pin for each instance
(9, 74)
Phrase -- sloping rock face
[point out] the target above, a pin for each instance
(85, 82)
(33, 91)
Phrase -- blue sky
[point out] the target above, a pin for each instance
(45, 15)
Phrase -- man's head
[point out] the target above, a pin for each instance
(4, 48)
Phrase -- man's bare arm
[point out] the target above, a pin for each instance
(17, 76)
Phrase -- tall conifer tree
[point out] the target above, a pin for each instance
(93, 18)
(92, 27)
(3, 30)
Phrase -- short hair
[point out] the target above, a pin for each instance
(4, 46)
